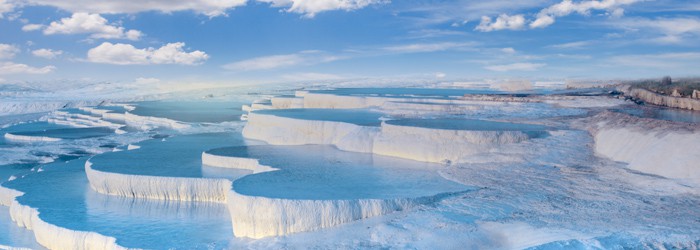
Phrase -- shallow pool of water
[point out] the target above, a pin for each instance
(466, 124)
(177, 156)
(326, 173)
(213, 112)
(32, 126)
(63, 197)
(70, 133)
(12, 235)
(355, 116)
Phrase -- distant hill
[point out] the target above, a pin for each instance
(682, 87)
(681, 93)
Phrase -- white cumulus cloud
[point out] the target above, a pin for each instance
(210, 8)
(7, 68)
(548, 15)
(6, 7)
(508, 50)
(516, 67)
(309, 8)
(8, 51)
(32, 27)
(502, 22)
(93, 24)
(47, 53)
(127, 54)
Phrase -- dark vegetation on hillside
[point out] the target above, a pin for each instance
(667, 86)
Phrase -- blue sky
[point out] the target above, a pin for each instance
(297, 40)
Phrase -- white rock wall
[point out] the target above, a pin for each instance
(283, 102)
(49, 235)
(148, 122)
(438, 145)
(421, 144)
(258, 217)
(55, 237)
(29, 138)
(158, 187)
(670, 154)
(234, 162)
(8, 195)
(278, 130)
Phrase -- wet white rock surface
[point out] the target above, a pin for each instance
(550, 175)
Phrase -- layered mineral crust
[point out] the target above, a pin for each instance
(652, 146)
(158, 187)
(258, 217)
(662, 148)
(49, 235)
(426, 144)
(662, 100)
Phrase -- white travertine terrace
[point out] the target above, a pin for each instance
(8, 195)
(671, 153)
(80, 120)
(278, 130)
(234, 162)
(332, 101)
(300, 93)
(438, 145)
(30, 138)
(322, 100)
(55, 237)
(107, 118)
(287, 102)
(94, 110)
(259, 217)
(158, 187)
(149, 122)
(117, 117)
(427, 144)
(49, 235)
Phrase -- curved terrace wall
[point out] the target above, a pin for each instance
(663, 100)
(651, 146)
(157, 187)
(426, 144)
(49, 235)
(30, 138)
(258, 217)
(438, 145)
